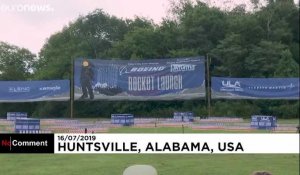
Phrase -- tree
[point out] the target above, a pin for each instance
(202, 27)
(247, 26)
(140, 43)
(15, 62)
(260, 43)
(99, 31)
(89, 36)
(228, 57)
(266, 58)
(287, 67)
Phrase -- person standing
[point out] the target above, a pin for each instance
(86, 79)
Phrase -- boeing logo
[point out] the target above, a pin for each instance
(126, 70)
(182, 67)
(229, 86)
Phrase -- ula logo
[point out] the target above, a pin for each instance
(228, 86)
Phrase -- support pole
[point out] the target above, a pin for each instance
(208, 85)
(72, 89)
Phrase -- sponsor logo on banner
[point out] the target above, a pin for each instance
(182, 67)
(265, 118)
(126, 70)
(54, 88)
(282, 87)
(261, 88)
(18, 89)
(46, 90)
(229, 86)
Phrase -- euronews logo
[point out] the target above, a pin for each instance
(26, 8)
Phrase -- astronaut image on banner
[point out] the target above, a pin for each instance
(86, 80)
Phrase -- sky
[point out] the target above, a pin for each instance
(28, 23)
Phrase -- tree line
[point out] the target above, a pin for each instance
(261, 43)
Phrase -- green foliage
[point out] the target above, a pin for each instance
(140, 43)
(17, 107)
(262, 43)
(52, 110)
(286, 110)
(294, 48)
(229, 56)
(166, 164)
(15, 63)
(89, 36)
(264, 58)
(202, 27)
(240, 108)
(287, 67)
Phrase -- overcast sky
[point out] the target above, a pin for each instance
(28, 23)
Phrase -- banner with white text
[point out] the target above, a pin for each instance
(156, 79)
(255, 88)
(176, 143)
(150, 143)
(30, 91)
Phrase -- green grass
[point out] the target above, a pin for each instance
(178, 130)
(288, 121)
(34, 164)
(280, 121)
(201, 164)
(2, 127)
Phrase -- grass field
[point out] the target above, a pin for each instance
(204, 164)
(281, 121)
(178, 130)
(165, 164)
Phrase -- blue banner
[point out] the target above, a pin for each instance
(27, 125)
(183, 116)
(16, 115)
(29, 91)
(158, 79)
(122, 119)
(255, 88)
(263, 122)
